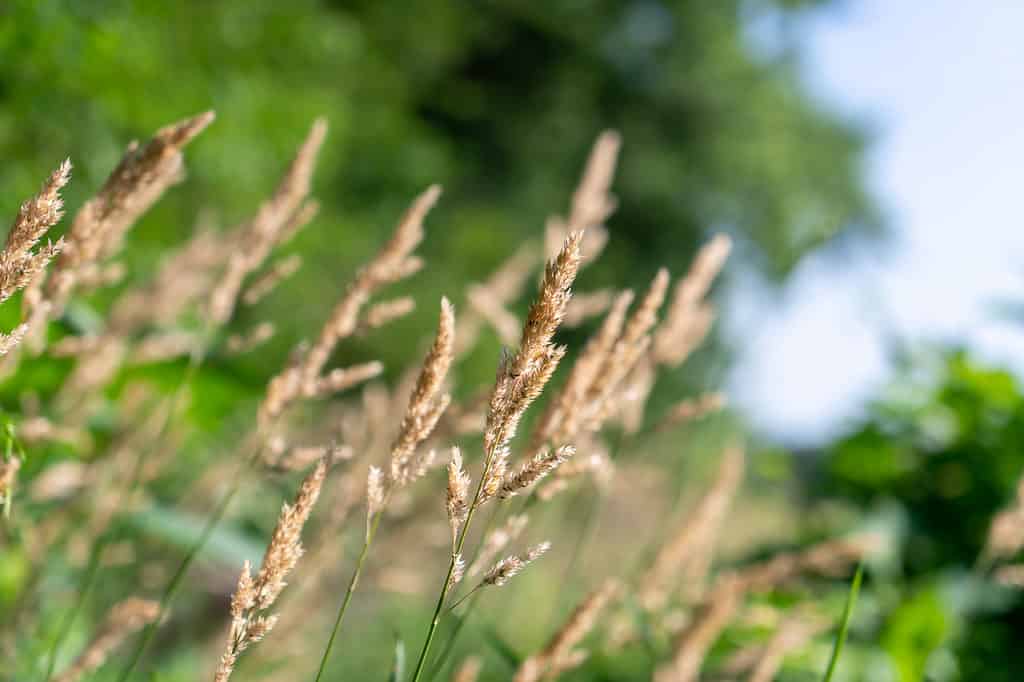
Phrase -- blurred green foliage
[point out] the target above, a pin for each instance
(498, 101)
(943, 448)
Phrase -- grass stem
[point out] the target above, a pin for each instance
(343, 607)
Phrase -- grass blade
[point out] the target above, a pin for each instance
(507, 653)
(844, 624)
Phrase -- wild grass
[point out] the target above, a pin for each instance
(444, 498)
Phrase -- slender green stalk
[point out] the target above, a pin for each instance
(844, 624)
(69, 619)
(464, 597)
(475, 597)
(529, 502)
(583, 538)
(172, 587)
(195, 359)
(436, 618)
(447, 585)
(343, 607)
(442, 658)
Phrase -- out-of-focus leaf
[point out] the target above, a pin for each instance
(916, 629)
(870, 458)
(182, 529)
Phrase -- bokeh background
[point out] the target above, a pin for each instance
(863, 156)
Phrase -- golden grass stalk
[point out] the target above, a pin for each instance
(692, 409)
(830, 558)
(395, 261)
(123, 620)
(627, 352)
(458, 571)
(255, 595)
(522, 376)
(457, 497)
(184, 277)
(490, 308)
(99, 276)
(10, 340)
(20, 265)
(343, 378)
(560, 653)
(488, 300)
(520, 379)
(792, 634)
(615, 371)
(692, 644)
(469, 671)
(96, 234)
(426, 405)
(563, 409)
(542, 464)
(585, 306)
(163, 346)
(272, 223)
(509, 567)
(268, 281)
(592, 202)
(688, 318)
(694, 540)
(139, 180)
(300, 457)
(597, 379)
(385, 312)
(255, 337)
(597, 464)
(375, 494)
(496, 540)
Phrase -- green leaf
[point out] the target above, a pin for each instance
(844, 624)
(916, 629)
(183, 529)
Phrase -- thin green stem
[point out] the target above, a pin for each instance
(456, 552)
(449, 644)
(844, 624)
(464, 598)
(435, 619)
(172, 587)
(583, 538)
(72, 615)
(371, 532)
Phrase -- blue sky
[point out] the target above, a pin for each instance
(942, 85)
